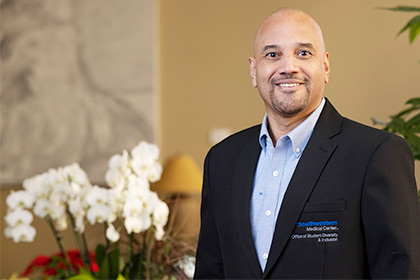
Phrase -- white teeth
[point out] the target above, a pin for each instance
(289, 85)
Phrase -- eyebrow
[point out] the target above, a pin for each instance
(270, 47)
(307, 45)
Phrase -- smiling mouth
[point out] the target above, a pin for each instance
(288, 85)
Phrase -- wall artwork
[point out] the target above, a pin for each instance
(77, 84)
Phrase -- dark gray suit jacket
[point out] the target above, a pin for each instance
(350, 210)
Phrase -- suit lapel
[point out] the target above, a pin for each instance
(242, 189)
(316, 155)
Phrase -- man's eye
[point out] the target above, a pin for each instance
(271, 54)
(305, 53)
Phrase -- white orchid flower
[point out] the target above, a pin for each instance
(20, 199)
(159, 232)
(18, 217)
(80, 224)
(140, 201)
(76, 175)
(61, 223)
(132, 207)
(146, 151)
(37, 185)
(62, 191)
(44, 207)
(154, 172)
(23, 233)
(137, 223)
(76, 207)
(136, 183)
(151, 202)
(116, 202)
(144, 162)
(112, 234)
(98, 213)
(160, 213)
(55, 177)
(97, 195)
(118, 169)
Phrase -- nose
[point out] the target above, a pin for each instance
(288, 64)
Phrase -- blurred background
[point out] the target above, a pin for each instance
(83, 80)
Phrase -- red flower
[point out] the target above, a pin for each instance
(74, 257)
(50, 271)
(40, 261)
(94, 267)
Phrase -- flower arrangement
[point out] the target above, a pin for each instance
(134, 219)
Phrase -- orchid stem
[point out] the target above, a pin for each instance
(108, 254)
(149, 254)
(86, 249)
(130, 252)
(60, 245)
(82, 251)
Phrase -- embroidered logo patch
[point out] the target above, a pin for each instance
(322, 231)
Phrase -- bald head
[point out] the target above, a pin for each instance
(290, 66)
(284, 17)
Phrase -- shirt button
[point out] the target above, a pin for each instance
(275, 173)
(268, 212)
(265, 256)
(297, 150)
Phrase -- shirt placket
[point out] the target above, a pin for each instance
(274, 173)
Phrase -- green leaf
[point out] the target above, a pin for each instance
(83, 275)
(100, 253)
(109, 265)
(115, 262)
(396, 125)
(414, 101)
(414, 31)
(404, 9)
(136, 270)
(414, 121)
(412, 21)
(414, 142)
(404, 112)
(120, 277)
(415, 128)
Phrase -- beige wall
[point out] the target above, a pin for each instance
(204, 73)
(204, 81)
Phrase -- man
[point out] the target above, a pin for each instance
(309, 193)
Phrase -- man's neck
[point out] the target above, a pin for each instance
(279, 126)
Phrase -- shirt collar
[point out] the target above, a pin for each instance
(298, 136)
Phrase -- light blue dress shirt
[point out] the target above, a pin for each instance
(274, 172)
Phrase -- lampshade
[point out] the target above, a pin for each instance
(180, 175)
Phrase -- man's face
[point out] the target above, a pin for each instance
(290, 66)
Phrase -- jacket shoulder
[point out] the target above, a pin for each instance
(367, 132)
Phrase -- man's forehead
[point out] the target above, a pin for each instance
(291, 28)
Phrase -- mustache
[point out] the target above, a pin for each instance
(288, 77)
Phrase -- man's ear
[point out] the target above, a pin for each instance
(327, 67)
(252, 71)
